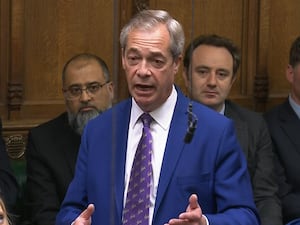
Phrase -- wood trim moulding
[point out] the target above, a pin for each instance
(139, 5)
(15, 135)
(5, 6)
(261, 90)
(14, 96)
(261, 82)
(16, 73)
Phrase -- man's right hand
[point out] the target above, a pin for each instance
(85, 218)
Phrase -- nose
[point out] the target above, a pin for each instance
(143, 69)
(211, 80)
(85, 96)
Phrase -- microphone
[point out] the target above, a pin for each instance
(192, 124)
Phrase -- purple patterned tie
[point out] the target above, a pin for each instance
(136, 211)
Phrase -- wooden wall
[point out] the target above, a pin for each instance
(37, 37)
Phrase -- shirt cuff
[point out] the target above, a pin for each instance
(207, 222)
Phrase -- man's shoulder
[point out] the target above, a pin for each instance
(54, 124)
(115, 113)
(242, 112)
(209, 117)
(274, 111)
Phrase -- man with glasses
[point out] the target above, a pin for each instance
(53, 146)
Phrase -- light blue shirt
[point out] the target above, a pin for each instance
(294, 106)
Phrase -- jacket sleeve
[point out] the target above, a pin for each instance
(8, 184)
(42, 203)
(265, 186)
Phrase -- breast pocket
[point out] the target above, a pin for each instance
(195, 184)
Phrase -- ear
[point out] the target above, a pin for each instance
(110, 87)
(289, 73)
(123, 57)
(233, 79)
(177, 64)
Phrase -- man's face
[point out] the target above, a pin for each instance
(293, 76)
(211, 75)
(149, 66)
(81, 109)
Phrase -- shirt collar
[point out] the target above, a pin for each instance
(222, 111)
(162, 115)
(295, 106)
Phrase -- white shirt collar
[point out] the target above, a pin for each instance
(162, 115)
(222, 111)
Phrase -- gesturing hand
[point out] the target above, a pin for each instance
(192, 216)
(85, 218)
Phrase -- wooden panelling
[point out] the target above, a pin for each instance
(283, 28)
(230, 18)
(4, 54)
(50, 32)
(37, 37)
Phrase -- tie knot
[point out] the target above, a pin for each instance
(146, 119)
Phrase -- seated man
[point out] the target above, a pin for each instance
(284, 125)
(210, 67)
(52, 147)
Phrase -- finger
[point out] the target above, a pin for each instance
(88, 212)
(178, 221)
(193, 200)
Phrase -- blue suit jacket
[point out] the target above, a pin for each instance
(212, 166)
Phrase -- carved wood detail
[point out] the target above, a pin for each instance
(139, 5)
(15, 136)
(261, 88)
(16, 145)
(14, 96)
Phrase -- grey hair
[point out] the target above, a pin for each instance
(147, 19)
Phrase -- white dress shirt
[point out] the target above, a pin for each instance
(160, 125)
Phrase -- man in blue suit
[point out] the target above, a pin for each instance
(199, 173)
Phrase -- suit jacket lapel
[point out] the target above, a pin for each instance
(119, 147)
(241, 127)
(290, 124)
(174, 147)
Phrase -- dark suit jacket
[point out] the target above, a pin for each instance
(252, 133)
(8, 183)
(51, 156)
(212, 166)
(284, 128)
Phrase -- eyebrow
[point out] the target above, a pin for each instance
(209, 68)
(224, 70)
(152, 53)
(202, 67)
(86, 84)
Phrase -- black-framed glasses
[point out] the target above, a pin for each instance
(75, 91)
